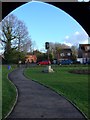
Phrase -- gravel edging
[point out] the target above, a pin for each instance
(15, 98)
(59, 94)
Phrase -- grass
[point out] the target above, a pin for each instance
(8, 91)
(0, 92)
(72, 86)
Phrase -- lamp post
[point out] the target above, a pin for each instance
(48, 54)
(47, 47)
(48, 68)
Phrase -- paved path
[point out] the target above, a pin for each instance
(37, 101)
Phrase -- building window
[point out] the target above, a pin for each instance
(68, 54)
(87, 48)
(62, 54)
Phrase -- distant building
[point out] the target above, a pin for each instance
(84, 53)
(31, 58)
(65, 54)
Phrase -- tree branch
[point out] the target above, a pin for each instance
(3, 41)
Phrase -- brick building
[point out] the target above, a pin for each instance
(31, 58)
(84, 53)
(65, 54)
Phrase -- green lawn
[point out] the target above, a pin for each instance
(0, 92)
(8, 91)
(73, 86)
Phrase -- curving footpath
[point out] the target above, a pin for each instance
(37, 101)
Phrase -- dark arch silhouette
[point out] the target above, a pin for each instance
(80, 11)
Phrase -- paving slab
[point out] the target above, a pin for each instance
(38, 101)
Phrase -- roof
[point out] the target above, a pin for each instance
(66, 50)
(83, 47)
(85, 44)
(30, 56)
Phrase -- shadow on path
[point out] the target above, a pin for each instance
(37, 101)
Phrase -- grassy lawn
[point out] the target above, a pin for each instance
(73, 86)
(0, 92)
(8, 91)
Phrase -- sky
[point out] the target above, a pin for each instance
(47, 23)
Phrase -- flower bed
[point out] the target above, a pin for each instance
(80, 71)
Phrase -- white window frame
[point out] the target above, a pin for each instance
(69, 54)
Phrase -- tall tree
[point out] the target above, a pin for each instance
(74, 52)
(14, 34)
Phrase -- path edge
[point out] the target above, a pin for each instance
(59, 95)
(16, 98)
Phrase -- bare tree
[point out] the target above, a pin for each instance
(74, 52)
(14, 38)
(27, 46)
(14, 33)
